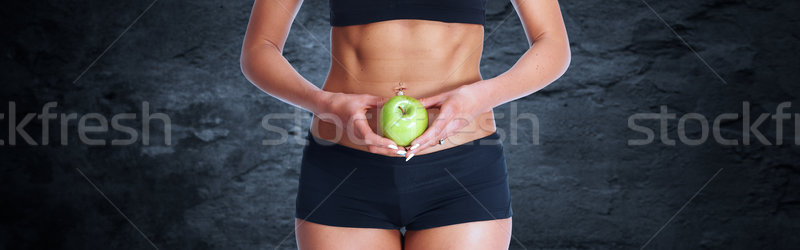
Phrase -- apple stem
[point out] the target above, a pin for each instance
(401, 110)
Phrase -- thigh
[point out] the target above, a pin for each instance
(313, 236)
(490, 234)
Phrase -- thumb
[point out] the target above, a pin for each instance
(432, 101)
(376, 101)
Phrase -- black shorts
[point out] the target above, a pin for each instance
(341, 186)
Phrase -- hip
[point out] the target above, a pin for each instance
(326, 165)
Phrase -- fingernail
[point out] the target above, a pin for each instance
(413, 147)
(392, 146)
(401, 152)
(409, 157)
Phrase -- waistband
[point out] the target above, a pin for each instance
(486, 142)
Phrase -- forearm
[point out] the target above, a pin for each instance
(268, 70)
(542, 64)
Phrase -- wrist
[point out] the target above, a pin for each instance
(482, 92)
(319, 100)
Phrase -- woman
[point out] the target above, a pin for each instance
(357, 188)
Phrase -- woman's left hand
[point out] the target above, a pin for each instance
(457, 109)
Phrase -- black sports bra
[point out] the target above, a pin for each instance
(353, 12)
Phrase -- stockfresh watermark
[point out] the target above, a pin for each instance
(753, 129)
(91, 128)
(514, 134)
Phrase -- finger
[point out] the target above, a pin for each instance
(374, 101)
(386, 151)
(432, 101)
(368, 136)
(453, 127)
(450, 129)
(375, 143)
(432, 134)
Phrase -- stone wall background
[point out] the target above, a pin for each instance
(217, 187)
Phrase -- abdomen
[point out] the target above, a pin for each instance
(427, 56)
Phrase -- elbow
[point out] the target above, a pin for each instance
(247, 64)
(244, 63)
(560, 58)
(255, 55)
(560, 55)
(564, 55)
(243, 66)
(567, 59)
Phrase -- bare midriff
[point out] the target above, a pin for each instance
(428, 57)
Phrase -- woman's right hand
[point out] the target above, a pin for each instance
(348, 112)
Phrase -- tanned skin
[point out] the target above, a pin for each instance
(436, 62)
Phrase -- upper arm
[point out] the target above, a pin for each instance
(270, 22)
(541, 18)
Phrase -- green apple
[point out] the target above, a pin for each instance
(403, 119)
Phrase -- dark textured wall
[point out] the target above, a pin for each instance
(582, 186)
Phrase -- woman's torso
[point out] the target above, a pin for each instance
(428, 57)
